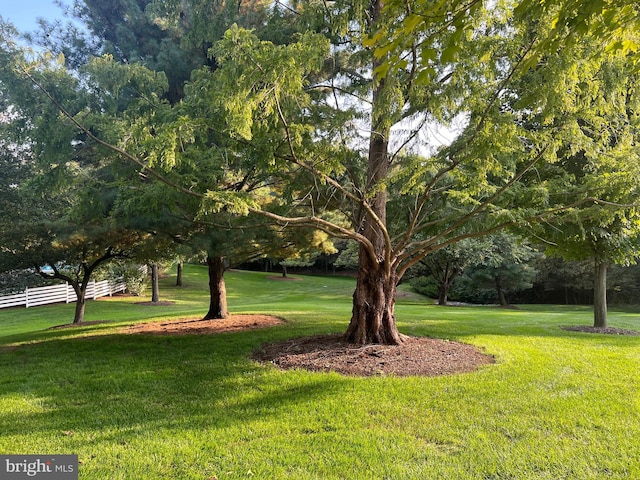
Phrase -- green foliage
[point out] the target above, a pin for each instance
(504, 270)
(322, 124)
(424, 285)
(134, 276)
(257, 80)
(16, 281)
(348, 258)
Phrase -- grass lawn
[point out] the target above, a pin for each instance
(556, 405)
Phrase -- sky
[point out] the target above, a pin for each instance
(24, 13)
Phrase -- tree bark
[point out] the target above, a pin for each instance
(80, 289)
(217, 289)
(373, 315)
(600, 294)
(446, 282)
(78, 316)
(443, 294)
(155, 284)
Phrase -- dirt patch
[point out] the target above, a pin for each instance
(415, 357)
(77, 325)
(155, 304)
(284, 279)
(601, 330)
(185, 326)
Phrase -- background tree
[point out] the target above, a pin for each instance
(561, 281)
(61, 233)
(445, 265)
(64, 216)
(601, 158)
(391, 200)
(504, 266)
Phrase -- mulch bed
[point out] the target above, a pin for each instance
(601, 330)
(184, 326)
(414, 357)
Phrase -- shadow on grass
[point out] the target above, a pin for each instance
(110, 387)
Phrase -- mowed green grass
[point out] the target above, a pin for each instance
(556, 405)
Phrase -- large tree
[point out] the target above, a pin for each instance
(61, 214)
(333, 131)
(503, 267)
(601, 158)
(301, 104)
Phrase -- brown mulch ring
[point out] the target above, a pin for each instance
(184, 326)
(414, 357)
(601, 330)
(75, 325)
(154, 304)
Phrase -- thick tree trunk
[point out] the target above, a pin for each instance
(217, 289)
(600, 294)
(373, 316)
(180, 267)
(443, 294)
(155, 283)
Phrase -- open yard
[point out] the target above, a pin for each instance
(555, 404)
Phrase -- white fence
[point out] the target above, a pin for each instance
(62, 293)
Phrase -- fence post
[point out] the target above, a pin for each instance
(26, 297)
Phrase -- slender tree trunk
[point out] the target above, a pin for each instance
(78, 316)
(501, 297)
(284, 271)
(155, 284)
(600, 294)
(180, 268)
(446, 284)
(217, 289)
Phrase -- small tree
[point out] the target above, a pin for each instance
(445, 265)
(504, 266)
